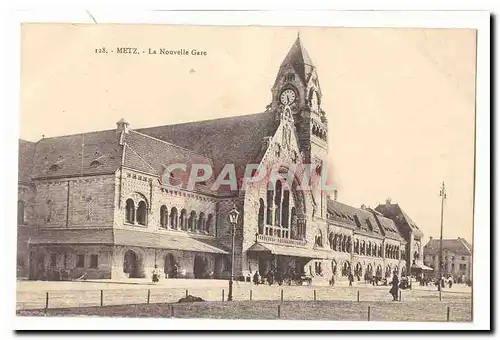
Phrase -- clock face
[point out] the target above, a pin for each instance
(287, 97)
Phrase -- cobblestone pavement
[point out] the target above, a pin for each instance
(33, 294)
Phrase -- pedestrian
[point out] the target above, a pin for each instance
(256, 278)
(279, 278)
(176, 270)
(332, 280)
(270, 277)
(395, 287)
(351, 278)
(156, 275)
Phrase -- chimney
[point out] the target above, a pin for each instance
(121, 129)
(335, 194)
(388, 201)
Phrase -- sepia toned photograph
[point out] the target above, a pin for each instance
(262, 173)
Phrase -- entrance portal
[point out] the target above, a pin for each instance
(200, 267)
(36, 266)
(169, 267)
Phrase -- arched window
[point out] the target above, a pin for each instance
(20, 212)
(183, 219)
(141, 213)
(173, 218)
(346, 269)
(210, 221)
(358, 270)
(319, 239)
(130, 211)
(363, 248)
(331, 240)
(277, 202)
(369, 249)
(388, 271)
(192, 221)
(201, 222)
(261, 216)
(349, 244)
(270, 196)
(344, 243)
(285, 215)
(335, 242)
(163, 216)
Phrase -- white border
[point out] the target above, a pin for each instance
(479, 20)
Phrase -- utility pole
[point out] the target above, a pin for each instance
(442, 193)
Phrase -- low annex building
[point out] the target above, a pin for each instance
(92, 205)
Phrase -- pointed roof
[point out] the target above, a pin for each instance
(299, 60)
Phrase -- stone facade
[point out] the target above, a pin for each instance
(96, 206)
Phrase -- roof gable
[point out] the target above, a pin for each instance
(152, 155)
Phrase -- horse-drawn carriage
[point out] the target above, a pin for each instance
(299, 280)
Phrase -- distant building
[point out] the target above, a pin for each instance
(91, 205)
(457, 257)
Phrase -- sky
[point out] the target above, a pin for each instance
(400, 102)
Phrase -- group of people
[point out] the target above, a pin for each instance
(174, 274)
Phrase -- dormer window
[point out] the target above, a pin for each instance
(356, 219)
(369, 224)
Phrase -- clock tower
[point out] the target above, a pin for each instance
(297, 86)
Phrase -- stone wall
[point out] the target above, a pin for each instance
(63, 203)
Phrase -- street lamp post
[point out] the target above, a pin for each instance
(233, 219)
(442, 193)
